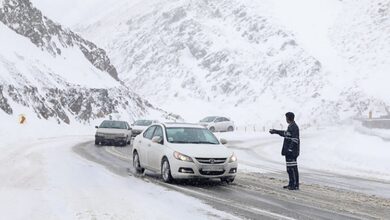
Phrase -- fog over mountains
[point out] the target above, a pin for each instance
(249, 60)
(260, 58)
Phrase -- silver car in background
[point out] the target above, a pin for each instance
(113, 133)
(217, 124)
(140, 125)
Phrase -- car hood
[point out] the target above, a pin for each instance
(202, 150)
(110, 131)
(139, 128)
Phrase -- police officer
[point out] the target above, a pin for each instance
(290, 150)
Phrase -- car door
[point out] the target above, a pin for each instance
(156, 150)
(218, 124)
(144, 144)
(225, 124)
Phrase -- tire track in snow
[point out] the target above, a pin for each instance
(255, 196)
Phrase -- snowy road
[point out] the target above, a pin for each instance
(258, 195)
(45, 179)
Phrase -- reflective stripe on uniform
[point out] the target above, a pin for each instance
(291, 164)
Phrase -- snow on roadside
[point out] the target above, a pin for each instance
(45, 179)
(343, 150)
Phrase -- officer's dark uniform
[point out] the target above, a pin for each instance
(291, 150)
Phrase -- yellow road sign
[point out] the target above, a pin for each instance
(22, 119)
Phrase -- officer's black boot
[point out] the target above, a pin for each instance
(296, 177)
(290, 178)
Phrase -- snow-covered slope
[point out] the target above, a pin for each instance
(220, 52)
(362, 36)
(51, 73)
(259, 57)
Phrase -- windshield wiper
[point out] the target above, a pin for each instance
(204, 142)
(180, 142)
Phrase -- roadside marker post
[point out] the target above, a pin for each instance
(22, 119)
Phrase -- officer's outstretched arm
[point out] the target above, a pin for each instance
(281, 133)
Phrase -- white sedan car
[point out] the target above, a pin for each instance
(183, 151)
(215, 123)
(113, 132)
(140, 125)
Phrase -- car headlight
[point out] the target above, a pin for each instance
(182, 157)
(232, 158)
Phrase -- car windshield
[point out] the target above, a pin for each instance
(143, 122)
(113, 124)
(208, 119)
(191, 136)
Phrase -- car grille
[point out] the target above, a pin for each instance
(111, 135)
(211, 173)
(211, 160)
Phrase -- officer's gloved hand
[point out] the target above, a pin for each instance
(272, 131)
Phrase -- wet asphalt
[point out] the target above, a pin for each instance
(260, 195)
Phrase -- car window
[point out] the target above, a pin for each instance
(218, 120)
(225, 119)
(191, 136)
(208, 119)
(149, 133)
(143, 122)
(113, 124)
(158, 132)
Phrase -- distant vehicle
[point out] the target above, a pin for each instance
(215, 123)
(113, 132)
(183, 151)
(140, 125)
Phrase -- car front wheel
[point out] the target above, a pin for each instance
(230, 128)
(137, 164)
(166, 171)
(212, 129)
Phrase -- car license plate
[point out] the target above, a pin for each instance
(212, 168)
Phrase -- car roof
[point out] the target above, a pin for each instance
(114, 121)
(181, 125)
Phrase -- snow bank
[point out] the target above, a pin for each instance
(342, 150)
(46, 180)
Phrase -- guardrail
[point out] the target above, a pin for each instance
(382, 123)
(259, 127)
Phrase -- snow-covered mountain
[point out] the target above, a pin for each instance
(232, 57)
(362, 36)
(50, 72)
(220, 52)
(251, 60)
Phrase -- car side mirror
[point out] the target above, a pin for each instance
(130, 129)
(157, 140)
(223, 141)
(96, 126)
